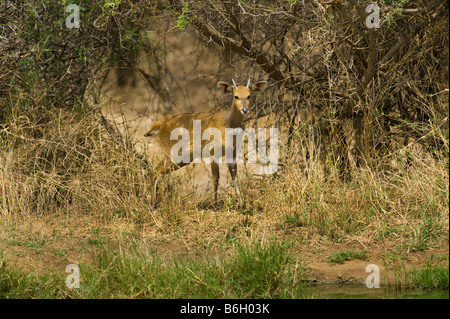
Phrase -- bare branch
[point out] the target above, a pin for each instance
(239, 47)
(371, 64)
(350, 21)
(423, 9)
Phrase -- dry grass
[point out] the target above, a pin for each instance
(67, 166)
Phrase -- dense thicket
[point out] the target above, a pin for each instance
(365, 92)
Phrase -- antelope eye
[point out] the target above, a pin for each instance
(236, 97)
(248, 97)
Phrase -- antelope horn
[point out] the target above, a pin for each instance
(234, 84)
(248, 83)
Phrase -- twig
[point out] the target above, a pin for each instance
(407, 37)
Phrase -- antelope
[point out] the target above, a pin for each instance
(232, 118)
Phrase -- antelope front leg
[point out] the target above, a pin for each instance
(232, 167)
(216, 175)
(161, 169)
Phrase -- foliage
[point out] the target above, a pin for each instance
(45, 63)
(340, 257)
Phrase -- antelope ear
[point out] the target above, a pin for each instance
(224, 87)
(258, 86)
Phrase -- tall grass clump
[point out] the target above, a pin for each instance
(251, 271)
(429, 277)
(265, 271)
(57, 161)
(432, 276)
(406, 205)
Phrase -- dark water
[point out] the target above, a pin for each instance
(362, 292)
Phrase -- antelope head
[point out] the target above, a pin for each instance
(242, 93)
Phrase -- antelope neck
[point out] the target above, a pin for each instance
(234, 117)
